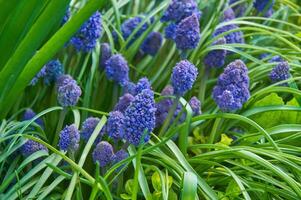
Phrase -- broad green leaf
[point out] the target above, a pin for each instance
(271, 118)
(225, 140)
(129, 186)
(292, 117)
(17, 26)
(156, 181)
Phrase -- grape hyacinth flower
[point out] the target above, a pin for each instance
(68, 91)
(183, 76)
(124, 102)
(170, 31)
(69, 138)
(152, 43)
(130, 88)
(195, 105)
(103, 153)
(233, 37)
(140, 118)
(129, 26)
(117, 69)
(239, 9)
(142, 84)
(115, 125)
(262, 5)
(229, 14)
(53, 69)
(88, 127)
(66, 16)
(31, 147)
(106, 53)
(119, 156)
(50, 72)
(163, 106)
(263, 56)
(187, 34)
(216, 58)
(39, 75)
(276, 59)
(86, 37)
(232, 89)
(134, 89)
(280, 73)
(29, 114)
(180, 9)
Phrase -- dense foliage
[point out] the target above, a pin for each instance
(138, 99)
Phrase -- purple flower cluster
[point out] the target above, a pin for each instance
(233, 37)
(66, 16)
(86, 37)
(124, 102)
(31, 147)
(134, 89)
(129, 26)
(262, 5)
(116, 68)
(170, 31)
(29, 114)
(184, 26)
(216, 58)
(88, 127)
(50, 72)
(232, 89)
(69, 138)
(119, 156)
(115, 125)
(106, 53)
(178, 10)
(187, 35)
(142, 84)
(68, 91)
(280, 73)
(195, 105)
(152, 43)
(183, 76)
(239, 9)
(140, 118)
(229, 14)
(103, 153)
(276, 59)
(163, 106)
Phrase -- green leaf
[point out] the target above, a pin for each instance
(233, 190)
(172, 195)
(12, 83)
(225, 140)
(17, 26)
(125, 196)
(189, 186)
(271, 118)
(129, 186)
(30, 44)
(292, 117)
(156, 181)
